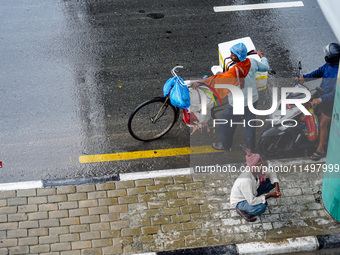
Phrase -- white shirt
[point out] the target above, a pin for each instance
(245, 188)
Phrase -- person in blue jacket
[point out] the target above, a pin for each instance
(328, 72)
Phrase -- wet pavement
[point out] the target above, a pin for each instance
(72, 72)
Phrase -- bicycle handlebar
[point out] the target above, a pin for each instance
(173, 71)
(185, 83)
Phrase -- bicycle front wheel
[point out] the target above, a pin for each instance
(152, 119)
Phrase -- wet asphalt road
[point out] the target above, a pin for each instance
(335, 251)
(72, 72)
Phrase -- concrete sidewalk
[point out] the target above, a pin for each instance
(154, 214)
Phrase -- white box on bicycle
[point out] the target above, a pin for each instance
(224, 60)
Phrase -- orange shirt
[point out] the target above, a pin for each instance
(234, 76)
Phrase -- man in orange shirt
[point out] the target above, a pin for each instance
(235, 75)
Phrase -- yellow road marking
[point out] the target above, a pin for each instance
(146, 154)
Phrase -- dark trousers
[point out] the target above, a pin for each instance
(227, 130)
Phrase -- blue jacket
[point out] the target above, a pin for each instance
(329, 75)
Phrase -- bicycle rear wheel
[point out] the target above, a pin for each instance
(152, 119)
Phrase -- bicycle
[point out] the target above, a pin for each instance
(156, 117)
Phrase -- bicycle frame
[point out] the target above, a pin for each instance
(154, 119)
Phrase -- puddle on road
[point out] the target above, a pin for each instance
(155, 15)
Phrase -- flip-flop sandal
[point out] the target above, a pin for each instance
(251, 219)
(246, 216)
(242, 213)
(218, 147)
(317, 156)
(243, 148)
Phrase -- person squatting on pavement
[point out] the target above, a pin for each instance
(242, 73)
(251, 189)
(328, 72)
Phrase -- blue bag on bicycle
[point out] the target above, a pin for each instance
(168, 85)
(179, 94)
